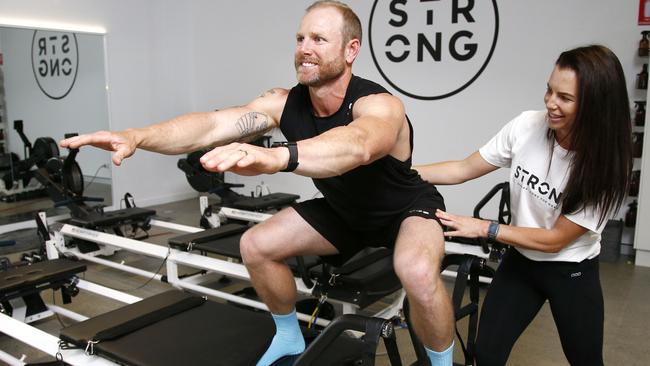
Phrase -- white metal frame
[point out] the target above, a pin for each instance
(56, 246)
(48, 343)
(174, 257)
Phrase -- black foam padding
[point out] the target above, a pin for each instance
(210, 334)
(112, 218)
(310, 262)
(224, 231)
(227, 246)
(273, 200)
(38, 275)
(365, 285)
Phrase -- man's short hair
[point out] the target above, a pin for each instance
(351, 23)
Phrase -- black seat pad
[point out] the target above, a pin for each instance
(222, 240)
(112, 218)
(39, 275)
(269, 201)
(210, 334)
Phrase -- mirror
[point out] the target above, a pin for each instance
(55, 82)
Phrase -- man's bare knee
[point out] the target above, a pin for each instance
(252, 248)
(418, 276)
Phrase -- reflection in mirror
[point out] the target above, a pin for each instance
(55, 83)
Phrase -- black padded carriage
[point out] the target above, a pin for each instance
(194, 331)
(364, 279)
(222, 240)
(266, 202)
(26, 280)
(111, 218)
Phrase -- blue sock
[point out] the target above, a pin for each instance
(287, 341)
(444, 358)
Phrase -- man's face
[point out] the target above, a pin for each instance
(320, 52)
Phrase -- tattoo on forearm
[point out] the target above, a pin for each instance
(252, 124)
(267, 93)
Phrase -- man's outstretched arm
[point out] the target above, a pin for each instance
(191, 131)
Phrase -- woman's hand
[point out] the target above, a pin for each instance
(463, 226)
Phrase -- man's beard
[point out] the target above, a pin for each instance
(327, 71)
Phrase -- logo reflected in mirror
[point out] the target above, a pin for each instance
(432, 49)
(55, 61)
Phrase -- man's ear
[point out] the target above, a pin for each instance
(352, 50)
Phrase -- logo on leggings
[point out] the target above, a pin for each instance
(576, 274)
(431, 49)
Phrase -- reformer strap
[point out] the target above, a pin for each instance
(140, 322)
(349, 267)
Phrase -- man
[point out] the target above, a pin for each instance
(354, 139)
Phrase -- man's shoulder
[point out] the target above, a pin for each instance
(367, 85)
(275, 92)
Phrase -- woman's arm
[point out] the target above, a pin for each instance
(456, 171)
(552, 240)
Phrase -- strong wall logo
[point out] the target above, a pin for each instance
(55, 61)
(432, 49)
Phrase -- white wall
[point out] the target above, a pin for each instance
(167, 58)
(240, 53)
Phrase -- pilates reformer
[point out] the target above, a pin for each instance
(138, 333)
(470, 269)
(189, 259)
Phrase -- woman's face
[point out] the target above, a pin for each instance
(561, 101)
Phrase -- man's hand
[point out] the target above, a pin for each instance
(121, 143)
(245, 159)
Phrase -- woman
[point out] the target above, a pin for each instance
(570, 168)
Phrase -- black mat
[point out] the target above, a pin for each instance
(210, 334)
(39, 275)
(112, 218)
(269, 201)
(226, 236)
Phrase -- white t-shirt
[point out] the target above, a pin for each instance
(536, 187)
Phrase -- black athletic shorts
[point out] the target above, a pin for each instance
(348, 240)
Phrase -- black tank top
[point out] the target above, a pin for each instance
(369, 196)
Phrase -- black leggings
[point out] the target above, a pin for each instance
(520, 288)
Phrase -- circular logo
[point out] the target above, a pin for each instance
(432, 49)
(55, 61)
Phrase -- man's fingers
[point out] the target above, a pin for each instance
(117, 160)
(97, 139)
(225, 157)
(249, 159)
(217, 152)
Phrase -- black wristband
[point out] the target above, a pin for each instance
(493, 230)
(293, 155)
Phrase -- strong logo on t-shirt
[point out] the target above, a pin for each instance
(539, 189)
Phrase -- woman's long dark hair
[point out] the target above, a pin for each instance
(601, 136)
